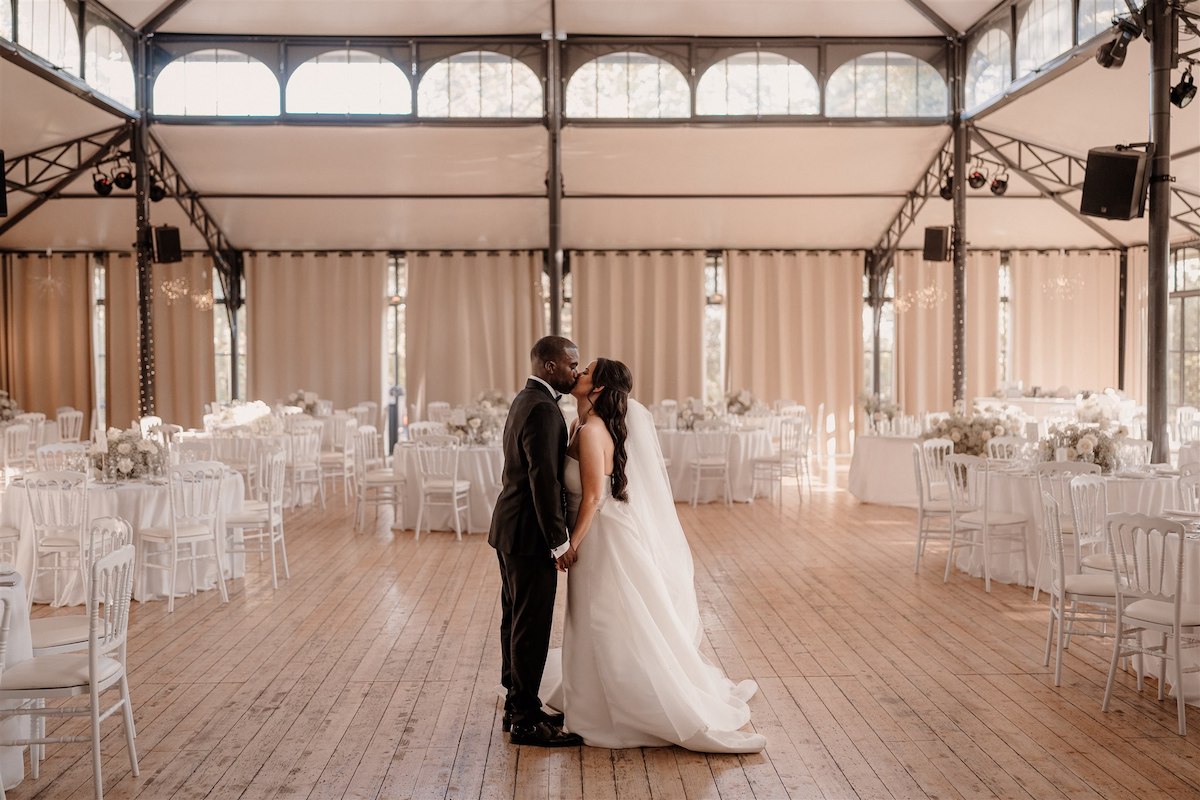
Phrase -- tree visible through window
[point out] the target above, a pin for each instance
(886, 84)
(1044, 32)
(757, 84)
(989, 67)
(107, 65)
(6, 21)
(348, 82)
(222, 83)
(48, 28)
(481, 83)
(628, 85)
(1096, 16)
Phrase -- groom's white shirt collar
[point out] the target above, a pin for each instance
(562, 548)
(549, 388)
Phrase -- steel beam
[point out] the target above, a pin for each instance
(29, 171)
(935, 18)
(554, 177)
(150, 26)
(928, 184)
(1162, 23)
(32, 62)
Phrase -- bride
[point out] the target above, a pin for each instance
(631, 673)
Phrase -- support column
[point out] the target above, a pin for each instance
(146, 401)
(1160, 16)
(554, 252)
(958, 231)
(875, 284)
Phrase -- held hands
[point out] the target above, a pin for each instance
(567, 559)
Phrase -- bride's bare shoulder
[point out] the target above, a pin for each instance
(594, 431)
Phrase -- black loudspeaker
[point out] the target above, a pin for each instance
(937, 244)
(166, 245)
(3, 189)
(1114, 186)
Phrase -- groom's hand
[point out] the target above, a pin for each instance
(567, 559)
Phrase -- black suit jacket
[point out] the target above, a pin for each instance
(528, 519)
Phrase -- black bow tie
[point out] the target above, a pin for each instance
(557, 397)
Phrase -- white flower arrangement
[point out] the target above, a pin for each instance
(493, 399)
(1087, 443)
(1100, 408)
(688, 415)
(879, 408)
(304, 400)
(971, 432)
(476, 424)
(739, 402)
(239, 413)
(8, 407)
(125, 455)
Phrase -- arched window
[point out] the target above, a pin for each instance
(348, 82)
(1044, 32)
(989, 67)
(107, 65)
(47, 28)
(216, 83)
(1096, 16)
(6, 21)
(757, 84)
(628, 85)
(480, 83)
(886, 84)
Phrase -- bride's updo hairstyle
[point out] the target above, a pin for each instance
(610, 405)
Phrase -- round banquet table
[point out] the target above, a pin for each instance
(20, 648)
(881, 470)
(744, 445)
(1018, 492)
(481, 465)
(145, 505)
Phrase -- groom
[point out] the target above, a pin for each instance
(530, 536)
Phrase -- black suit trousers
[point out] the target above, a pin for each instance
(527, 587)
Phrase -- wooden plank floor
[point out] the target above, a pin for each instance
(373, 673)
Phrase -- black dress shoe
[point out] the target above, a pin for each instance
(554, 719)
(543, 734)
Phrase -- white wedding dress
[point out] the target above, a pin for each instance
(630, 673)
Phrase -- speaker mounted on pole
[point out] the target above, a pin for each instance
(166, 245)
(937, 244)
(1115, 184)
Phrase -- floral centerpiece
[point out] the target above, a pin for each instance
(493, 399)
(304, 400)
(125, 455)
(879, 408)
(971, 432)
(688, 415)
(239, 413)
(8, 407)
(475, 424)
(739, 402)
(1098, 407)
(1088, 443)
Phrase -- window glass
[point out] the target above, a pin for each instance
(348, 82)
(107, 65)
(757, 84)
(886, 84)
(481, 83)
(628, 85)
(221, 83)
(1043, 32)
(989, 67)
(48, 28)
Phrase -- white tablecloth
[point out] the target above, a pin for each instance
(881, 471)
(482, 466)
(20, 648)
(680, 448)
(144, 505)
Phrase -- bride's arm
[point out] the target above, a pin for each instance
(591, 473)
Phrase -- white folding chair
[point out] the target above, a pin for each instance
(1055, 477)
(1074, 598)
(1189, 491)
(195, 496)
(70, 425)
(438, 411)
(304, 462)
(437, 460)
(935, 452)
(375, 482)
(147, 423)
(58, 503)
(15, 453)
(69, 456)
(1134, 453)
(929, 510)
(711, 461)
(1089, 510)
(1149, 578)
(967, 479)
(790, 461)
(58, 676)
(261, 527)
(337, 461)
(419, 430)
(1006, 448)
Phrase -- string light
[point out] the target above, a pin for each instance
(175, 289)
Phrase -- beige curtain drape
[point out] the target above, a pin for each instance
(795, 329)
(315, 322)
(471, 319)
(924, 308)
(121, 340)
(1136, 343)
(983, 323)
(184, 355)
(47, 354)
(1064, 318)
(647, 310)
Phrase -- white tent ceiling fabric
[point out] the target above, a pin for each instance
(804, 186)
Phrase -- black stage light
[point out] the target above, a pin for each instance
(947, 190)
(102, 184)
(1111, 55)
(157, 192)
(1000, 184)
(1183, 92)
(123, 178)
(977, 177)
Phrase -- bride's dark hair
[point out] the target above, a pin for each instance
(610, 406)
